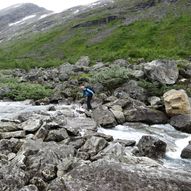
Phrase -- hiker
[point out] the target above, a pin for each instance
(88, 92)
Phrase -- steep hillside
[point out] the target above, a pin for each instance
(105, 31)
(15, 18)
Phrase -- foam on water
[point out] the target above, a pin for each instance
(122, 132)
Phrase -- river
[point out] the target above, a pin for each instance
(175, 140)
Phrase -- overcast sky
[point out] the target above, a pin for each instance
(54, 5)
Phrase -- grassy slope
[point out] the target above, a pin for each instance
(149, 39)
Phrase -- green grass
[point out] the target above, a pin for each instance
(23, 91)
(168, 38)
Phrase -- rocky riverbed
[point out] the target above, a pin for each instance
(136, 138)
(57, 148)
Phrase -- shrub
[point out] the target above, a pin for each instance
(23, 91)
(111, 77)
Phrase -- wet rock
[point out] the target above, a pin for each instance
(106, 176)
(176, 102)
(126, 143)
(89, 134)
(30, 187)
(15, 134)
(136, 125)
(81, 124)
(145, 115)
(25, 116)
(43, 101)
(94, 145)
(57, 135)
(104, 117)
(186, 152)
(165, 72)
(182, 123)
(151, 147)
(52, 108)
(118, 113)
(9, 126)
(32, 125)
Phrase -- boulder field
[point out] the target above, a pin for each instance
(61, 150)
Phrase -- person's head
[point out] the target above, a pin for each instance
(82, 87)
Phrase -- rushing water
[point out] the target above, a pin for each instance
(175, 140)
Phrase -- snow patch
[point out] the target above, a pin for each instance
(22, 20)
(76, 11)
(17, 5)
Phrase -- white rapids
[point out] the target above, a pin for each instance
(175, 140)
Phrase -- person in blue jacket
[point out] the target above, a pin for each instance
(88, 92)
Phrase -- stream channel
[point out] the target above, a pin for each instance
(176, 140)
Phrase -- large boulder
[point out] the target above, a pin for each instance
(57, 135)
(93, 145)
(104, 117)
(42, 157)
(118, 113)
(107, 176)
(14, 134)
(151, 147)
(12, 178)
(182, 122)
(81, 124)
(132, 89)
(7, 126)
(176, 102)
(165, 72)
(65, 71)
(32, 125)
(186, 152)
(146, 115)
(83, 61)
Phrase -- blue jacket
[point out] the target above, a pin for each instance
(88, 92)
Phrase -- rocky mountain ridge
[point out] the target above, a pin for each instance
(21, 19)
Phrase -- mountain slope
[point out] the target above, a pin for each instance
(15, 19)
(105, 31)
